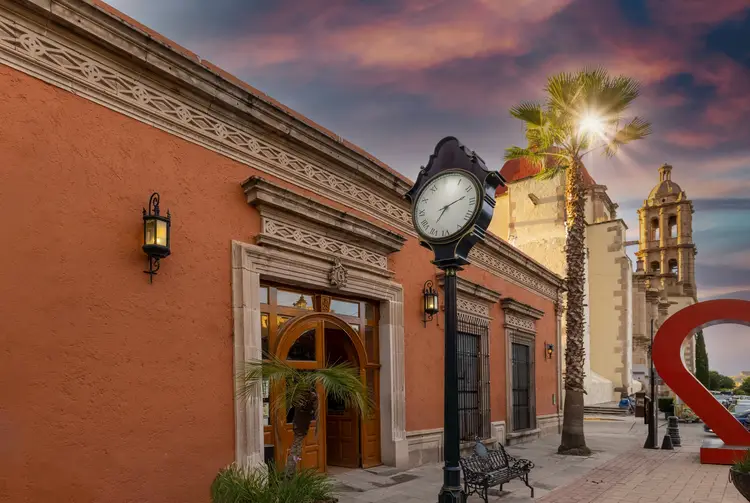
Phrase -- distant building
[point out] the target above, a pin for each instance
(664, 281)
(620, 303)
(530, 214)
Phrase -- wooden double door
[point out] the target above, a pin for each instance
(339, 436)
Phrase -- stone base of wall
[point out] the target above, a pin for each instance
(426, 446)
(545, 425)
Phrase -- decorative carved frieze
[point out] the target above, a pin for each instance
(473, 298)
(520, 316)
(475, 308)
(504, 269)
(514, 321)
(305, 238)
(206, 109)
(148, 100)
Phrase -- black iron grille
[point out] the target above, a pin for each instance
(473, 377)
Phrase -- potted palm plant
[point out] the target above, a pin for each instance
(739, 474)
(299, 394)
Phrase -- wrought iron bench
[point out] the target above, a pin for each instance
(486, 468)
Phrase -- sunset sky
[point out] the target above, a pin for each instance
(395, 76)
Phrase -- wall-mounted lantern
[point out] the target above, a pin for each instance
(431, 306)
(549, 349)
(156, 230)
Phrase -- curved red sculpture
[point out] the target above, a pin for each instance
(668, 362)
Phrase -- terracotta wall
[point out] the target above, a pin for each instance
(115, 389)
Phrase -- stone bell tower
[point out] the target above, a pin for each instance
(666, 239)
(666, 252)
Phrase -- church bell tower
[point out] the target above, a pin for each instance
(666, 260)
(665, 248)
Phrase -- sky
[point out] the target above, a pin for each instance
(395, 76)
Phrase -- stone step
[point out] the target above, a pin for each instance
(609, 411)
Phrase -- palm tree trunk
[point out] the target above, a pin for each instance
(573, 440)
(303, 417)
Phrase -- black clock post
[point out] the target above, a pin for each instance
(451, 253)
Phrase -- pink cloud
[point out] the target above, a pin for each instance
(692, 139)
(423, 35)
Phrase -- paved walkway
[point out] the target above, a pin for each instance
(619, 471)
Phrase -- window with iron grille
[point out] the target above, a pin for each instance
(524, 400)
(473, 377)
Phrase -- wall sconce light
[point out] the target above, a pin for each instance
(548, 350)
(431, 306)
(155, 235)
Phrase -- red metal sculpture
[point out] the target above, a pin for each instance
(735, 439)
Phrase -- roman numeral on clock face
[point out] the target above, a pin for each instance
(421, 213)
(468, 215)
(424, 223)
(472, 200)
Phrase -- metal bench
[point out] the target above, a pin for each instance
(487, 468)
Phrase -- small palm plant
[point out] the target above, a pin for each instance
(299, 393)
(582, 112)
(740, 475)
(237, 484)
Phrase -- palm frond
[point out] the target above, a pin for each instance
(636, 129)
(254, 372)
(563, 92)
(550, 172)
(529, 112)
(343, 383)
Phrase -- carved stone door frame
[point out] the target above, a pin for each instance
(250, 264)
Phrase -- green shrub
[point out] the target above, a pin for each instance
(235, 484)
(743, 465)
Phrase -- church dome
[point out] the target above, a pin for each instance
(666, 187)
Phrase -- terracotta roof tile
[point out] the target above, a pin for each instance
(103, 6)
(519, 169)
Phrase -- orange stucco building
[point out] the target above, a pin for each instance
(116, 389)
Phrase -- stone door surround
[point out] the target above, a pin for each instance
(307, 244)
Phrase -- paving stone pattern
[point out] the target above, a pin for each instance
(619, 471)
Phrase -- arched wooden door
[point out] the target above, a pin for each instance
(302, 344)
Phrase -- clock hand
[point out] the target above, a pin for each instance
(454, 202)
(444, 208)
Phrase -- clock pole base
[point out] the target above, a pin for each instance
(451, 495)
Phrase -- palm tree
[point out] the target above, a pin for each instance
(299, 393)
(583, 111)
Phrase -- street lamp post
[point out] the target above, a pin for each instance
(652, 441)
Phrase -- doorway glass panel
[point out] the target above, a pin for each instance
(303, 348)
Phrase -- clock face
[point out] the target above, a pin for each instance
(446, 206)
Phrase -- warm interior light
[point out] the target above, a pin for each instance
(150, 237)
(161, 232)
(430, 303)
